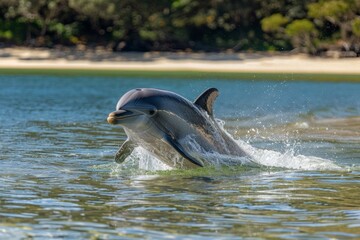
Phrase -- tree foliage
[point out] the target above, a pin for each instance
(274, 22)
(302, 33)
(355, 25)
(213, 25)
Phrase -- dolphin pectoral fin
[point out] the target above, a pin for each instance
(206, 100)
(124, 151)
(175, 144)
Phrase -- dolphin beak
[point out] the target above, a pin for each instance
(117, 116)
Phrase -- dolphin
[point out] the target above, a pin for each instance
(172, 128)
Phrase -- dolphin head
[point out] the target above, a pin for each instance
(134, 109)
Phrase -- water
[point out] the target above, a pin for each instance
(58, 179)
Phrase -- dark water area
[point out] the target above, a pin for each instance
(59, 180)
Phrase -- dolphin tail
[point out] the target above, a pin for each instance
(124, 151)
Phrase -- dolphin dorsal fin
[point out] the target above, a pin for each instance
(206, 100)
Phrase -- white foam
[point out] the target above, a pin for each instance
(143, 160)
(147, 161)
(288, 159)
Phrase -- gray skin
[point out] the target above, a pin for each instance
(170, 127)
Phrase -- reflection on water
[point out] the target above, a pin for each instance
(272, 204)
(58, 178)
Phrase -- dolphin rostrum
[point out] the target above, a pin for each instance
(173, 129)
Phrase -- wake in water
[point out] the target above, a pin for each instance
(288, 159)
(141, 159)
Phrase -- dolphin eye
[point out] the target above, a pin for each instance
(151, 112)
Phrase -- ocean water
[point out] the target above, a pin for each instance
(59, 180)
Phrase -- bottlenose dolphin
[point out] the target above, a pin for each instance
(170, 127)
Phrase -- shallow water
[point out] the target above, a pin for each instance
(58, 179)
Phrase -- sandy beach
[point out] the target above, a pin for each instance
(28, 58)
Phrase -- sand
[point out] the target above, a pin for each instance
(30, 58)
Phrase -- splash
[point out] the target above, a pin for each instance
(142, 160)
(288, 159)
(139, 163)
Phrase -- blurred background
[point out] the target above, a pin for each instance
(318, 27)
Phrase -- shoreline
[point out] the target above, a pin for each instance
(232, 65)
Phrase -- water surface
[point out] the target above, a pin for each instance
(58, 179)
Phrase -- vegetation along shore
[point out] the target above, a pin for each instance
(320, 27)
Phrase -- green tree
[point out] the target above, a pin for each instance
(338, 12)
(355, 25)
(39, 16)
(213, 25)
(302, 33)
(129, 23)
(217, 23)
(274, 27)
(274, 23)
(356, 37)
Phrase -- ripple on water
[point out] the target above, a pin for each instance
(59, 180)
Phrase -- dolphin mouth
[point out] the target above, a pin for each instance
(119, 115)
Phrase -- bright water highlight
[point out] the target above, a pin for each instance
(59, 180)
